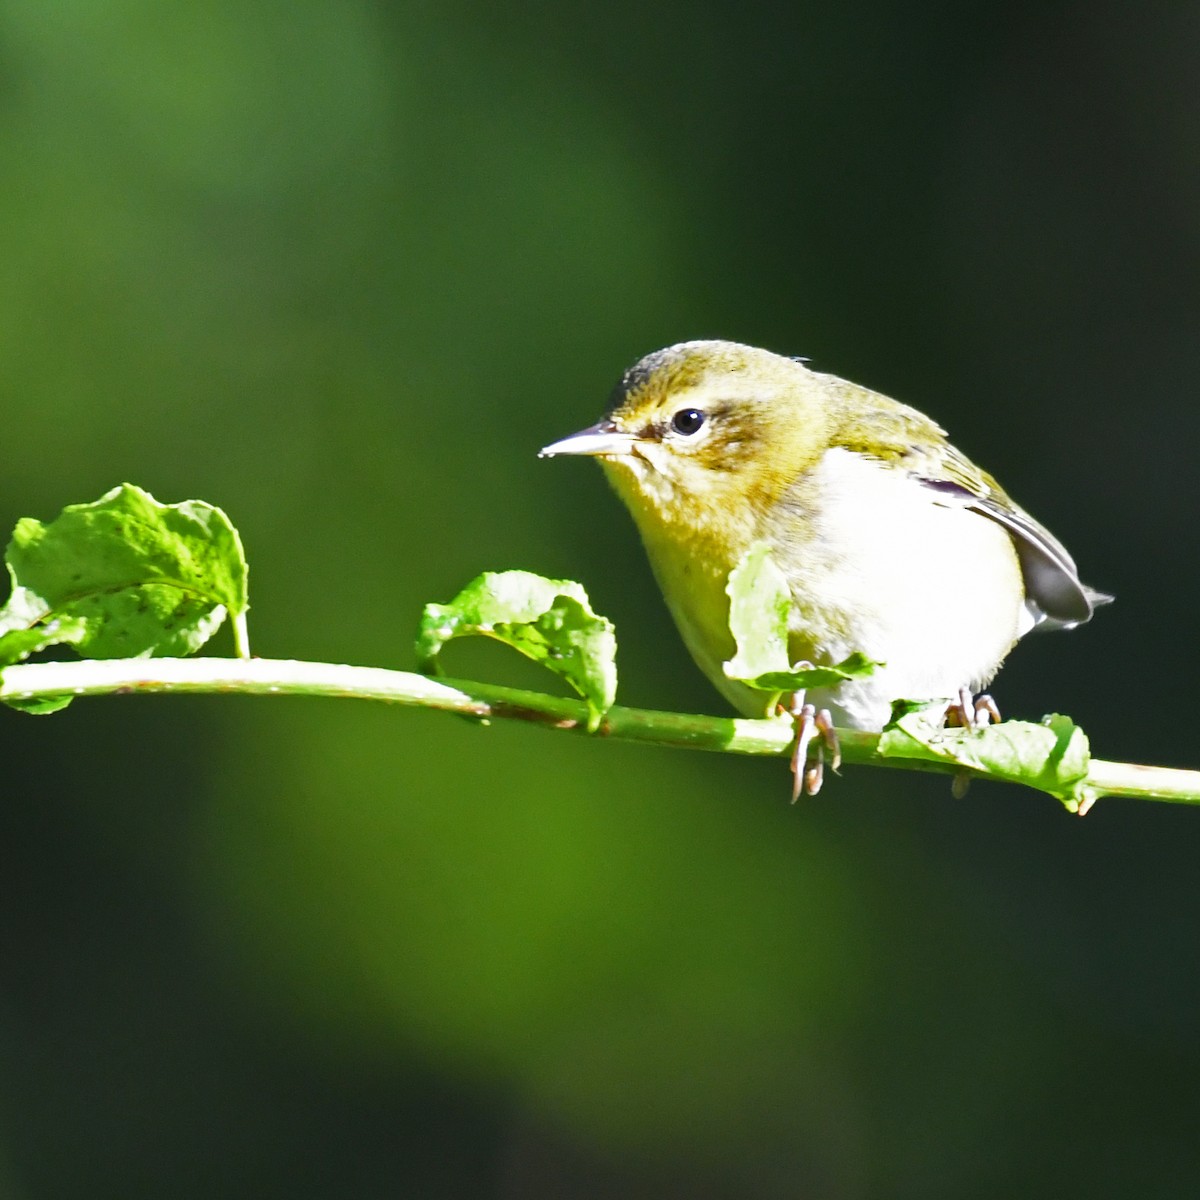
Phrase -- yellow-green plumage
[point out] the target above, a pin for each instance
(893, 543)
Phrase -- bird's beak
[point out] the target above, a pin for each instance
(602, 440)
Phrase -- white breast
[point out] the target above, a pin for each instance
(932, 591)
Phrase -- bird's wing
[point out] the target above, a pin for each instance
(1058, 598)
(880, 427)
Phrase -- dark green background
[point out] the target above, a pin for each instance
(341, 268)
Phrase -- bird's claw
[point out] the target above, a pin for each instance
(812, 724)
(969, 712)
(972, 712)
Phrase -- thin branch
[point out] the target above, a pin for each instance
(259, 676)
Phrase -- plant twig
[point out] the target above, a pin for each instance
(260, 676)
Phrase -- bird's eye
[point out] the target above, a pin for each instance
(687, 421)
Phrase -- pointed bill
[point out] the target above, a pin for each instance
(602, 440)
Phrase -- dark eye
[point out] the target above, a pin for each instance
(687, 421)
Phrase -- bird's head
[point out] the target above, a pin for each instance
(707, 433)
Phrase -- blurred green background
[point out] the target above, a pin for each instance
(342, 267)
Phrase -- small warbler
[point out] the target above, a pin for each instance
(892, 542)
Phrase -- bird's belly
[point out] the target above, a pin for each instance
(932, 592)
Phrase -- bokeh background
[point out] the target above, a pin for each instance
(341, 267)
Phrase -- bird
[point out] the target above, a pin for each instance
(893, 543)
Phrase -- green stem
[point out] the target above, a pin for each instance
(241, 635)
(259, 676)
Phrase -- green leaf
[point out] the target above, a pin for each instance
(39, 708)
(802, 676)
(21, 643)
(548, 620)
(1052, 756)
(759, 605)
(124, 577)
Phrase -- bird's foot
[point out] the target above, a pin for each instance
(972, 712)
(814, 733)
(969, 712)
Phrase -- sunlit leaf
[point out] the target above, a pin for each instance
(548, 620)
(124, 577)
(1052, 756)
(759, 604)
